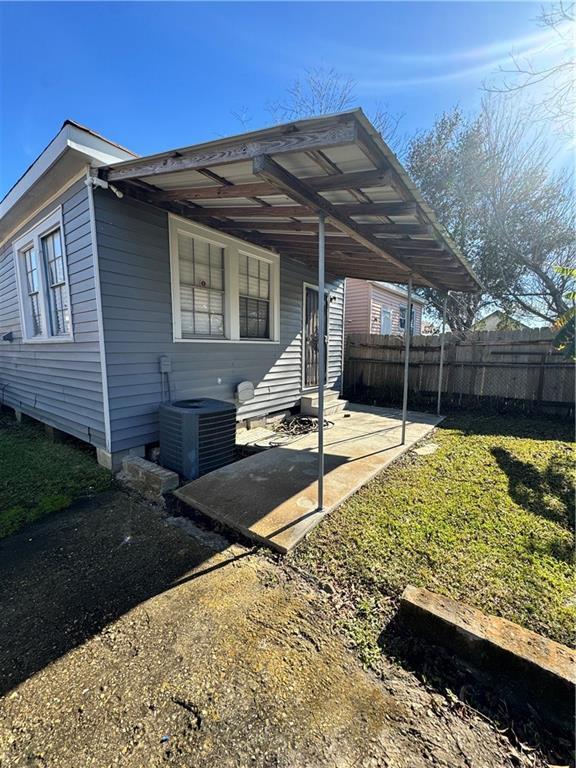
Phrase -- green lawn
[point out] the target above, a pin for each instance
(487, 519)
(38, 477)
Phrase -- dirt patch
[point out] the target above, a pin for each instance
(129, 640)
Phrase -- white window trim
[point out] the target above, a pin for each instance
(233, 247)
(32, 237)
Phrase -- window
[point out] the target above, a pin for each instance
(222, 288)
(33, 290)
(201, 267)
(402, 320)
(57, 289)
(254, 291)
(385, 322)
(42, 278)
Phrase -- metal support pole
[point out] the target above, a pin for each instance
(321, 359)
(441, 366)
(407, 334)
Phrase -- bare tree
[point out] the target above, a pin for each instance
(319, 91)
(325, 91)
(242, 114)
(555, 81)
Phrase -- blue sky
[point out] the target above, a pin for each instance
(155, 76)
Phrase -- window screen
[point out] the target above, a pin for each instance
(201, 287)
(254, 297)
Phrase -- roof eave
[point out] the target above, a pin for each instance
(417, 195)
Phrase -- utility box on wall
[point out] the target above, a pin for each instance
(197, 436)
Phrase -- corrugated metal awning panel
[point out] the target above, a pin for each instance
(378, 227)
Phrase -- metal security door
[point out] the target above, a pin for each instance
(310, 330)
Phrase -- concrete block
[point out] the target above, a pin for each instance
(53, 434)
(537, 669)
(151, 480)
(113, 460)
(21, 417)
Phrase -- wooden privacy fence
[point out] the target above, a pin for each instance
(517, 370)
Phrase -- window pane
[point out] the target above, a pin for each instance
(253, 266)
(202, 324)
(35, 314)
(243, 264)
(252, 286)
(186, 271)
(31, 270)
(187, 323)
(201, 252)
(59, 311)
(254, 318)
(201, 272)
(201, 287)
(186, 298)
(254, 277)
(243, 284)
(201, 300)
(53, 257)
(216, 303)
(217, 325)
(216, 278)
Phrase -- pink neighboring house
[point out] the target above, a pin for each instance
(380, 308)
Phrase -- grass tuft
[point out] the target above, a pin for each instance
(40, 477)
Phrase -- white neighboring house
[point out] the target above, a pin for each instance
(380, 308)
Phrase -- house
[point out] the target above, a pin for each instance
(377, 307)
(126, 281)
(498, 321)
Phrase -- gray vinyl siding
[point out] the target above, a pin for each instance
(57, 383)
(134, 260)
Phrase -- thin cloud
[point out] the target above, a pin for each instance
(518, 44)
(544, 45)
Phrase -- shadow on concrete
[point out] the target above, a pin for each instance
(65, 578)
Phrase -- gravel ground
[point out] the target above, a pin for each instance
(132, 639)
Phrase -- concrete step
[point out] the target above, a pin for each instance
(310, 400)
(331, 407)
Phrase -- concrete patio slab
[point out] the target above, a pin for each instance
(271, 497)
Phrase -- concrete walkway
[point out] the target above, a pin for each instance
(271, 497)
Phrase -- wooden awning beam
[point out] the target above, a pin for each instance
(267, 168)
(339, 132)
(334, 182)
(289, 211)
(413, 245)
(307, 228)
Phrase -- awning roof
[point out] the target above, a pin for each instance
(268, 187)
